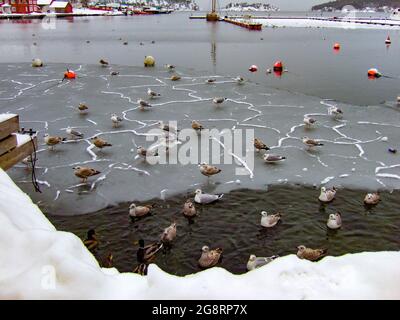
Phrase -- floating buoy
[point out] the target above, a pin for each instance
(388, 41)
(37, 63)
(69, 74)
(374, 73)
(278, 73)
(336, 46)
(392, 150)
(278, 66)
(149, 61)
(253, 68)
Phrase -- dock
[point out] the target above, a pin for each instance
(248, 25)
(14, 145)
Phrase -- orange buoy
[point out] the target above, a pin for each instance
(336, 46)
(374, 73)
(278, 66)
(253, 68)
(69, 74)
(388, 41)
(278, 73)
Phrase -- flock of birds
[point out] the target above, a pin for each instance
(146, 254)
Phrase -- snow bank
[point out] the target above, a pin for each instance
(39, 262)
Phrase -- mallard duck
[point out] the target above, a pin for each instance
(109, 261)
(147, 254)
(141, 269)
(91, 241)
(310, 254)
(209, 258)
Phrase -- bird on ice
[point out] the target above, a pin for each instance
(211, 80)
(138, 211)
(334, 221)
(143, 104)
(103, 62)
(259, 145)
(189, 209)
(147, 254)
(327, 195)
(169, 67)
(100, 143)
(209, 258)
(83, 109)
(218, 100)
(255, 262)
(239, 80)
(175, 77)
(269, 220)
(273, 158)
(166, 127)
(197, 125)
(372, 198)
(85, 172)
(169, 233)
(115, 120)
(143, 153)
(308, 121)
(205, 198)
(310, 254)
(310, 143)
(73, 133)
(114, 73)
(152, 94)
(52, 141)
(335, 112)
(208, 170)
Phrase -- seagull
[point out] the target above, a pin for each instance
(52, 141)
(372, 198)
(209, 258)
(73, 133)
(310, 143)
(138, 211)
(197, 125)
(147, 254)
(272, 158)
(219, 100)
(83, 109)
(189, 209)
(208, 170)
(175, 77)
(100, 143)
(334, 221)
(103, 62)
(152, 94)
(169, 233)
(211, 80)
(85, 172)
(259, 145)
(269, 220)
(115, 120)
(327, 195)
(335, 111)
(310, 254)
(257, 262)
(239, 80)
(308, 121)
(142, 152)
(114, 73)
(143, 104)
(169, 66)
(205, 198)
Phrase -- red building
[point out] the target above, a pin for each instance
(22, 6)
(61, 7)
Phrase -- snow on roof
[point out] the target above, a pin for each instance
(59, 4)
(44, 2)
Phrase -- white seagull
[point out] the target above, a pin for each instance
(205, 198)
(115, 120)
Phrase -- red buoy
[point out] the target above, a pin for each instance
(388, 41)
(374, 73)
(69, 74)
(278, 66)
(336, 46)
(253, 68)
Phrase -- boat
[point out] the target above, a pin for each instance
(152, 10)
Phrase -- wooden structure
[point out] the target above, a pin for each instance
(213, 15)
(14, 146)
(248, 25)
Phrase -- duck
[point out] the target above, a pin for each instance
(100, 143)
(327, 195)
(141, 269)
(52, 141)
(205, 198)
(109, 261)
(85, 172)
(334, 221)
(255, 262)
(269, 220)
(91, 242)
(372, 198)
(209, 258)
(189, 209)
(169, 233)
(139, 211)
(260, 145)
(147, 254)
(310, 254)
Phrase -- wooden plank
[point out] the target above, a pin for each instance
(9, 126)
(8, 144)
(11, 158)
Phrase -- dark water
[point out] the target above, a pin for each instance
(234, 225)
(220, 48)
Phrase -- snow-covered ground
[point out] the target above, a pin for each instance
(39, 262)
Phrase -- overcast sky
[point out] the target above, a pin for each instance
(287, 5)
